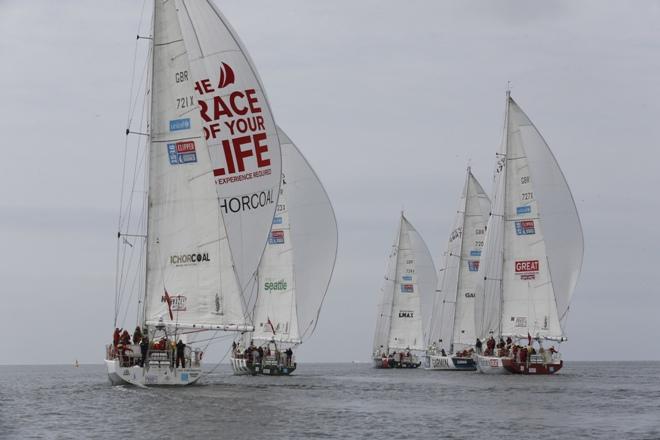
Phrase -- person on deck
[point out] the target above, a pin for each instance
(126, 338)
(115, 337)
(144, 349)
(508, 340)
(478, 345)
(490, 345)
(442, 352)
(180, 354)
(289, 356)
(137, 335)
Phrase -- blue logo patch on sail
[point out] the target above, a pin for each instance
(473, 266)
(523, 209)
(182, 152)
(276, 237)
(475, 253)
(179, 124)
(525, 227)
(407, 278)
(277, 220)
(407, 288)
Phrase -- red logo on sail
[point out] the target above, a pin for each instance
(226, 76)
(527, 269)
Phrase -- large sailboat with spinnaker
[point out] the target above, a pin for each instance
(405, 301)
(532, 255)
(451, 336)
(294, 273)
(212, 168)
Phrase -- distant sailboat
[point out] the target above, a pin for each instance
(532, 255)
(214, 168)
(406, 299)
(294, 272)
(451, 331)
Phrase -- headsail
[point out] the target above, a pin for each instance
(213, 172)
(408, 295)
(453, 311)
(536, 230)
(297, 265)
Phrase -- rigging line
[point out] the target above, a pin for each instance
(218, 364)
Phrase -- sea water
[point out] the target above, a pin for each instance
(585, 400)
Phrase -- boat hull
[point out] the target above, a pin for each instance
(490, 365)
(390, 363)
(241, 367)
(154, 375)
(451, 363)
(532, 368)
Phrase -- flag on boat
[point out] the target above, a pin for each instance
(168, 300)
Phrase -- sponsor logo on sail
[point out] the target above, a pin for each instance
(406, 314)
(178, 303)
(470, 294)
(519, 321)
(278, 285)
(473, 265)
(475, 253)
(525, 227)
(226, 76)
(276, 237)
(180, 124)
(189, 259)
(247, 202)
(527, 269)
(407, 278)
(523, 209)
(407, 288)
(277, 220)
(456, 233)
(182, 152)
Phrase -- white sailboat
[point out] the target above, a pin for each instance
(532, 255)
(294, 272)
(451, 334)
(406, 300)
(213, 173)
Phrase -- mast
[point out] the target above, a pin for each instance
(396, 277)
(147, 159)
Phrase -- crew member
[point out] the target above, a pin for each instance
(180, 354)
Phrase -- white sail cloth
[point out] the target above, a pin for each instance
(297, 265)
(407, 294)
(534, 244)
(214, 170)
(452, 323)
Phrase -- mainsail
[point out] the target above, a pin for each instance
(214, 171)
(452, 321)
(407, 294)
(297, 265)
(534, 245)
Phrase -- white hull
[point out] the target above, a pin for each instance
(490, 365)
(450, 363)
(154, 375)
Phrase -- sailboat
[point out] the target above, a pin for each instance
(532, 255)
(213, 176)
(406, 300)
(451, 335)
(294, 272)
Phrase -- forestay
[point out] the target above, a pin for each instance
(214, 170)
(453, 311)
(297, 265)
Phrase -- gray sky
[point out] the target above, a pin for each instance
(388, 100)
